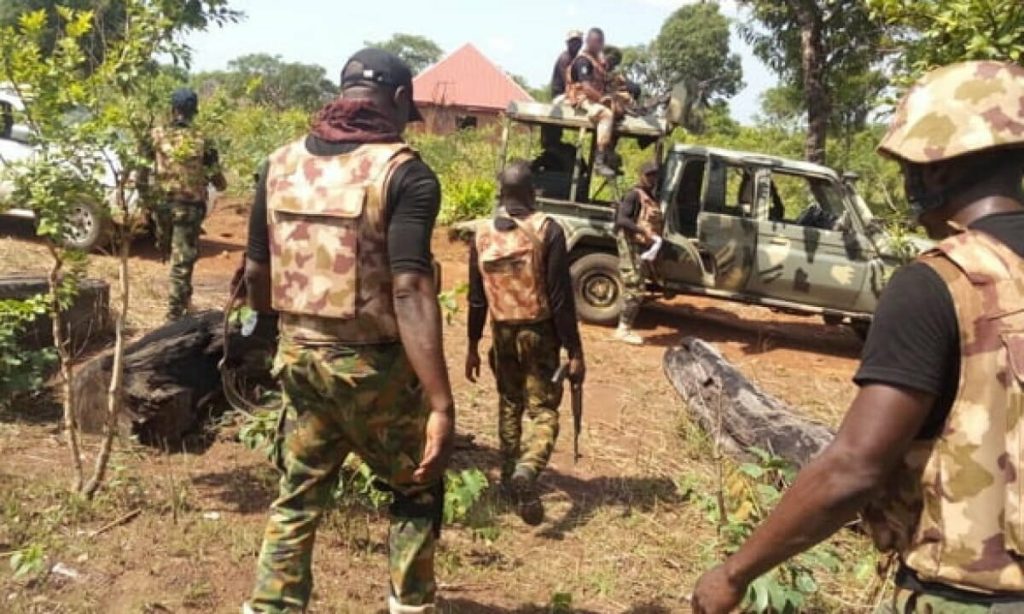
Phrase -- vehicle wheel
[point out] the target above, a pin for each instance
(597, 288)
(861, 328)
(87, 227)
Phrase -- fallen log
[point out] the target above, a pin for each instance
(171, 380)
(734, 411)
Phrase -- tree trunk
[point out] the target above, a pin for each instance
(734, 412)
(171, 381)
(115, 392)
(813, 65)
(62, 346)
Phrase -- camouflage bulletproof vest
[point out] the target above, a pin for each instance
(650, 217)
(954, 511)
(511, 264)
(180, 172)
(331, 278)
(574, 93)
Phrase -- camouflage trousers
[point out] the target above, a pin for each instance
(631, 273)
(524, 359)
(178, 225)
(343, 399)
(905, 601)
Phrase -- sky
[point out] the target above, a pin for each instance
(523, 37)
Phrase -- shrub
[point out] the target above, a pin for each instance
(21, 370)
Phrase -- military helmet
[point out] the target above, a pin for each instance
(957, 110)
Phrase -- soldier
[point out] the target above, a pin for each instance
(573, 44)
(638, 227)
(519, 273)
(586, 85)
(185, 165)
(339, 246)
(930, 449)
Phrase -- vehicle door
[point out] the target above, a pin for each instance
(12, 150)
(726, 228)
(810, 248)
(682, 188)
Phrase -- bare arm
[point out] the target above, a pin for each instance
(828, 492)
(419, 324)
(257, 284)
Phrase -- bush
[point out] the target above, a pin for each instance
(21, 370)
(466, 199)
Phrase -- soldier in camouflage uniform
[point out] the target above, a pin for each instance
(930, 452)
(185, 165)
(519, 275)
(339, 248)
(638, 227)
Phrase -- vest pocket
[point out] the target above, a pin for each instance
(314, 246)
(1013, 461)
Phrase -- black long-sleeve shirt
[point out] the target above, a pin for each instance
(557, 282)
(558, 74)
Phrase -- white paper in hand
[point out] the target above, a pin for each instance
(652, 253)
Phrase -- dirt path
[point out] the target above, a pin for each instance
(620, 534)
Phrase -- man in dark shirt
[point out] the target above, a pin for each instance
(933, 399)
(573, 44)
(533, 316)
(586, 90)
(339, 245)
(634, 235)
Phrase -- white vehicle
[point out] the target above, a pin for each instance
(90, 223)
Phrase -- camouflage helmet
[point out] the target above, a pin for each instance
(956, 110)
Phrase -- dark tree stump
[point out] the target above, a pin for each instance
(730, 408)
(171, 380)
(88, 319)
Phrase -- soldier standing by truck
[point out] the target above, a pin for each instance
(185, 165)
(339, 246)
(519, 274)
(930, 450)
(638, 227)
(586, 85)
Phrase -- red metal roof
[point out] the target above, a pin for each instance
(466, 78)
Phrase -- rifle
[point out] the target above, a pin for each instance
(577, 407)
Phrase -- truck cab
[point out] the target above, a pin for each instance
(740, 226)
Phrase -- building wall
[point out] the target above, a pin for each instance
(448, 119)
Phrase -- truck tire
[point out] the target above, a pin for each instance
(88, 227)
(597, 287)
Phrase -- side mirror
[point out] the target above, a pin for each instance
(21, 132)
(678, 111)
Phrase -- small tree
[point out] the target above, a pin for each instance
(931, 34)
(417, 51)
(88, 120)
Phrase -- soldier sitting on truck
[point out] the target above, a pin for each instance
(587, 80)
(623, 94)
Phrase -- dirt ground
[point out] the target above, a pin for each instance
(622, 533)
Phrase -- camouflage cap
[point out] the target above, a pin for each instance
(956, 110)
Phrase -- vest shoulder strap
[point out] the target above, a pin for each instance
(979, 256)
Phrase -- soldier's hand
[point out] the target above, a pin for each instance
(438, 451)
(472, 366)
(577, 370)
(717, 593)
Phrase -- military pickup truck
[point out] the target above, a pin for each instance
(745, 227)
